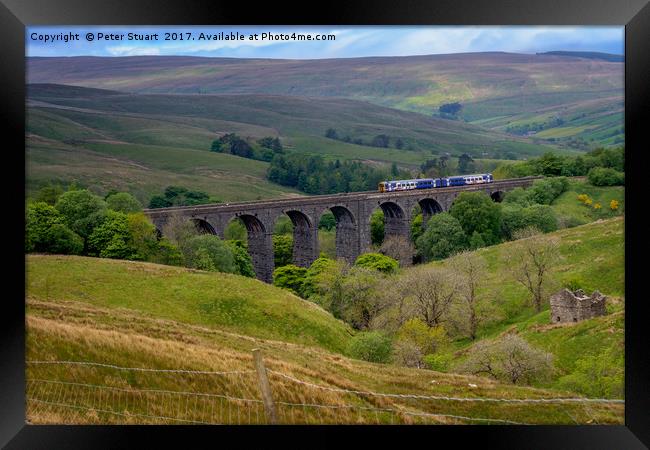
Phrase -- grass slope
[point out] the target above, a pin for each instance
(592, 254)
(505, 87)
(143, 315)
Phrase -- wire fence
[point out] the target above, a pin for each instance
(81, 392)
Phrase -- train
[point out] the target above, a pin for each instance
(431, 183)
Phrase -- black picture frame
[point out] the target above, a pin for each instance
(16, 14)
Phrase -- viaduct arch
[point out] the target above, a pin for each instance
(352, 213)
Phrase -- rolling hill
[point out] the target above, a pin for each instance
(145, 142)
(113, 315)
(496, 89)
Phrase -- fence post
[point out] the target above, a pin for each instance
(265, 387)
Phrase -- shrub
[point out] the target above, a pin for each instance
(407, 353)
(613, 205)
(377, 227)
(427, 339)
(439, 361)
(377, 261)
(603, 176)
(597, 375)
(546, 190)
(290, 277)
(40, 218)
(509, 358)
(370, 346)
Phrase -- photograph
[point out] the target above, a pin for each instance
(325, 225)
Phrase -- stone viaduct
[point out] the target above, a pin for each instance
(352, 212)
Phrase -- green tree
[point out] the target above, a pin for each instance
(143, 239)
(123, 202)
(465, 163)
(236, 231)
(40, 219)
(282, 249)
(63, 240)
(377, 261)
(208, 252)
(370, 346)
(443, 236)
(327, 222)
(111, 238)
(417, 227)
(82, 211)
(313, 275)
(168, 254)
(476, 211)
(159, 201)
(242, 259)
(290, 277)
(377, 227)
(49, 194)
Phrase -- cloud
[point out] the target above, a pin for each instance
(132, 50)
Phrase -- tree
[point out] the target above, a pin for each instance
(450, 108)
(399, 144)
(476, 211)
(471, 269)
(378, 262)
(443, 236)
(381, 140)
(465, 163)
(427, 339)
(81, 210)
(327, 222)
(290, 277)
(159, 201)
(236, 231)
(329, 290)
(314, 274)
(377, 227)
(49, 194)
(429, 291)
(360, 297)
(417, 227)
(398, 248)
(143, 238)
(40, 219)
(241, 257)
(282, 249)
(111, 238)
(509, 358)
(370, 346)
(531, 262)
(63, 240)
(331, 133)
(208, 252)
(123, 202)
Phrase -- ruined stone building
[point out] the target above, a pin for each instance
(567, 306)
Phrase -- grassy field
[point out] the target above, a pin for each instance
(569, 209)
(174, 318)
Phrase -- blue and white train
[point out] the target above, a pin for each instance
(430, 183)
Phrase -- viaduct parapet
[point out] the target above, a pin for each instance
(352, 212)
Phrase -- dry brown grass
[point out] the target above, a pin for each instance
(81, 332)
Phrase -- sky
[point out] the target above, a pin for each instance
(349, 42)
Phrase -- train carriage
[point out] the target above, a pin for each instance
(431, 183)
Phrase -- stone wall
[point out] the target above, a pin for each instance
(567, 306)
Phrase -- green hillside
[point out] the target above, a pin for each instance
(496, 89)
(140, 315)
(224, 301)
(591, 255)
(144, 143)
